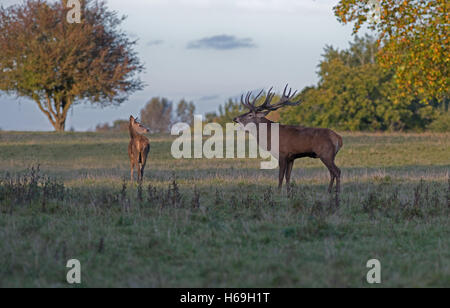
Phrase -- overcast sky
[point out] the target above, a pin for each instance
(207, 51)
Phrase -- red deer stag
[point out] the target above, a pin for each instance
(294, 141)
(138, 147)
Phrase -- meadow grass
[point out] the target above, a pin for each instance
(221, 222)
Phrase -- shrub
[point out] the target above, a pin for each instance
(441, 123)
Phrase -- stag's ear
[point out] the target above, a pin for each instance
(262, 114)
(131, 118)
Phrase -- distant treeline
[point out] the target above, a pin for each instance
(158, 115)
(354, 93)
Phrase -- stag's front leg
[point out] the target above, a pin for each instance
(289, 166)
(282, 164)
(338, 178)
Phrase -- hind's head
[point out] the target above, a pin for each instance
(137, 126)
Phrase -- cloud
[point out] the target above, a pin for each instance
(155, 42)
(221, 42)
(209, 98)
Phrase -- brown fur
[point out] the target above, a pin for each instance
(298, 141)
(295, 141)
(138, 148)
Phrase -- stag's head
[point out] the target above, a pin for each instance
(257, 114)
(137, 126)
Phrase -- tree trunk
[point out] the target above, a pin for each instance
(56, 117)
(60, 124)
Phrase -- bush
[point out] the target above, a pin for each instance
(441, 123)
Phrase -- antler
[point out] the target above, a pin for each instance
(285, 100)
(250, 104)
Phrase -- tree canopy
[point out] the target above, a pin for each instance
(58, 64)
(185, 112)
(413, 40)
(157, 115)
(117, 126)
(355, 93)
(227, 112)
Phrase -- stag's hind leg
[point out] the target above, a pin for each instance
(330, 187)
(338, 178)
(335, 173)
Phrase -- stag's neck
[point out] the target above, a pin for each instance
(265, 121)
(268, 130)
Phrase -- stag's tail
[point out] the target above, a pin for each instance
(337, 142)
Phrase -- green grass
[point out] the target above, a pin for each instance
(221, 223)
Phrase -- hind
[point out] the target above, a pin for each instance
(138, 147)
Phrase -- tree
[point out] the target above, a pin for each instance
(211, 117)
(103, 127)
(118, 126)
(228, 112)
(413, 40)
(355, 93)
(185, 112)
(157, 115)
(58, 64)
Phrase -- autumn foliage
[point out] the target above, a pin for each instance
(58, 64)
(413, 40)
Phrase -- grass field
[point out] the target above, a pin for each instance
(221, 223)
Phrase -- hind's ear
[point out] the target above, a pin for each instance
(131, 118)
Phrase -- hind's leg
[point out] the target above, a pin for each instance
(144, 155)
(135, 164)
(141, 172)
(132, 171)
